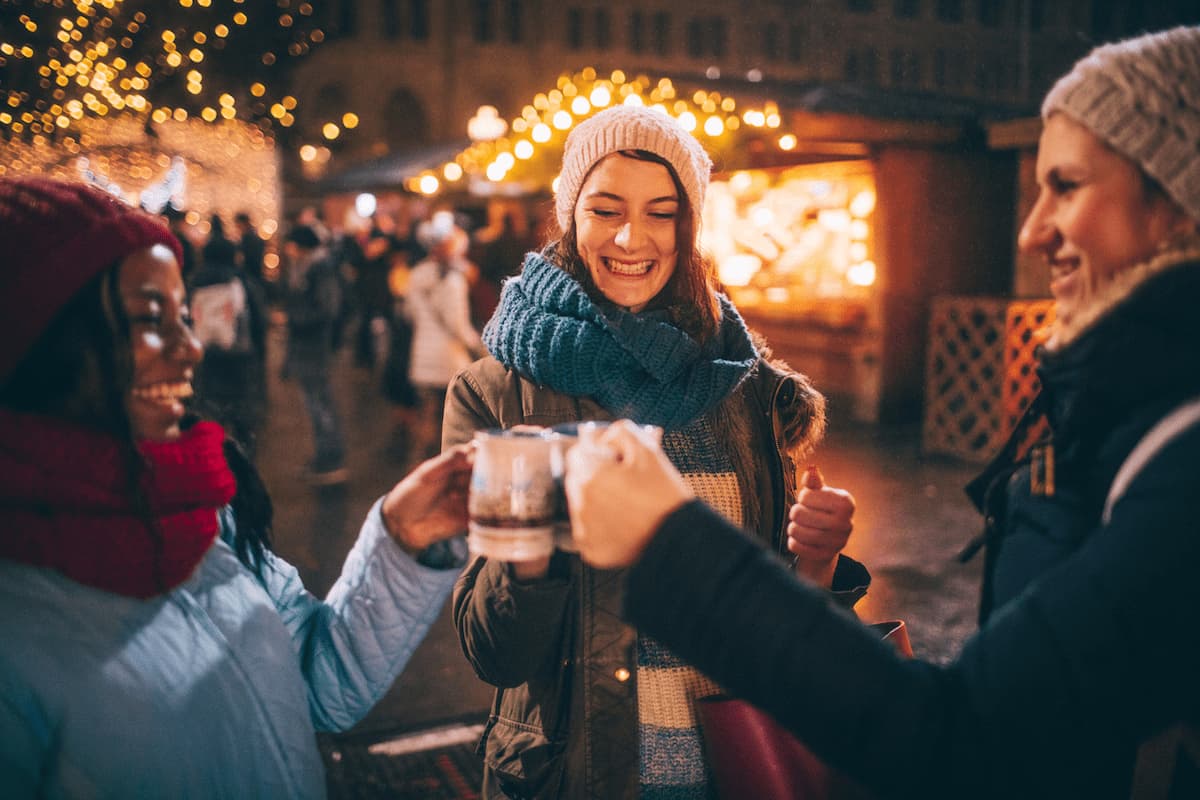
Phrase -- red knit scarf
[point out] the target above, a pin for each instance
(66, 503)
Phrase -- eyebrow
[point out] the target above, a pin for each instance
(670, 198)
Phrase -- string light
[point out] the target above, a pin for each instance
(124, 56)
(535, 139)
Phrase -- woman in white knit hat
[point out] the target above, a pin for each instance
(621, 317)
(1082, 681)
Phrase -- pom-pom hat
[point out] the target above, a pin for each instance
(631, 128)
(55, 236)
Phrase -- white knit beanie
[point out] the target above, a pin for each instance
(1142, 98)
(631, 128)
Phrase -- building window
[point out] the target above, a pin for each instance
(347, 23)
(906, 9)
(896, 62)
(718, 36)
(939, 68)
(420, 19)
(695, 38)
(404, 120)
(662, 33)
(637, 34)
(992, 13)
(850, 70)
(795, 43)
(1037, 14)
(574, 28)
(707, 36)
(860, 6)
(513, 21)
(770, 41)
(913, 69)
(950, 10)
(603, 32)
(869, 66)
(485, 29)
(391, 19)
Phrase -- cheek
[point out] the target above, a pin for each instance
(146, 347)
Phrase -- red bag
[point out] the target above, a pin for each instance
(753, 756)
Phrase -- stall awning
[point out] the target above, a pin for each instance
(390, 171)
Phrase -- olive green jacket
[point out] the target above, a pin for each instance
(563, 722)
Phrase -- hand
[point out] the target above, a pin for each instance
(819, 525)
(430, 503)
(619, 490)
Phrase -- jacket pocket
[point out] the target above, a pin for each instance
(521, 762)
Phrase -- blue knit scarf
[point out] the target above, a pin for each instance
(634, 365)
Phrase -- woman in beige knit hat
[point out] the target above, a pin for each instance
(621, 317)
(1082, 681)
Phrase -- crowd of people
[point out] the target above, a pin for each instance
(140, 595)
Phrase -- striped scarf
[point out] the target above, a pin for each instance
(673, 766)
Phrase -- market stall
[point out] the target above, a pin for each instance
(831, 229)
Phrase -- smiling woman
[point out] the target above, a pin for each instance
(139, 596)
(622, 316)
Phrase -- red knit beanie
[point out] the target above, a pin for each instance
(56, 236)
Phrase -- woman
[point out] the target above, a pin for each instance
(1082, 683)
(621, 317)
(154, 646)
(443, 340)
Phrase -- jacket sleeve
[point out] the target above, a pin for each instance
(1049, 699)
(506, 628)
(353, 644)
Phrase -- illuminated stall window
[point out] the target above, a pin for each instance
(796, 241)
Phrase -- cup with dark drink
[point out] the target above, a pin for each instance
(513, 498)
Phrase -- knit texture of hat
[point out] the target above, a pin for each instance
(631, 128)
(1142, 98)
(55, 236)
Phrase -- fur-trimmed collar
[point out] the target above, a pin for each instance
(1118, 291)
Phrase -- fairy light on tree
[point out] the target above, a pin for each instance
(65, 61)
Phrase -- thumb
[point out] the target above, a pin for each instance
(813, 479)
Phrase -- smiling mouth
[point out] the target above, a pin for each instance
(163, 392)
(628, 268)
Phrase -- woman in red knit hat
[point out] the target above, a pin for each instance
(154, 646)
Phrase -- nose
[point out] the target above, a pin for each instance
(628, 236)
(1038, 233)
(185, 346)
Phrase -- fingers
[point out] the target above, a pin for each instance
(827, 500)
(821, 521)
(813, 479)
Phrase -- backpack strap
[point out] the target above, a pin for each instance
(1167, 428)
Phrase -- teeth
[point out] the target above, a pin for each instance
(164, 391)
(629, 268)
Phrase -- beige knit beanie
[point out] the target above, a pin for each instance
(631, 128)
(1142, 98)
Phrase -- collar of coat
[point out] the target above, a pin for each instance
(1120, 291)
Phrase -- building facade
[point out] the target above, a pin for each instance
(414, 71)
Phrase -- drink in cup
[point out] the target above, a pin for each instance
(513, 496)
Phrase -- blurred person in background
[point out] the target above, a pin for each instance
(154, 646)
(312, 301)
(250, 246)
(443, 339)
(1082, 681)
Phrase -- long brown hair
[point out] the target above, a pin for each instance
(690, 296)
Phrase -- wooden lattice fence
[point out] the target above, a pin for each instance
(979, 371)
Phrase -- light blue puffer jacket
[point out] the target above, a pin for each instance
(211, 691)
